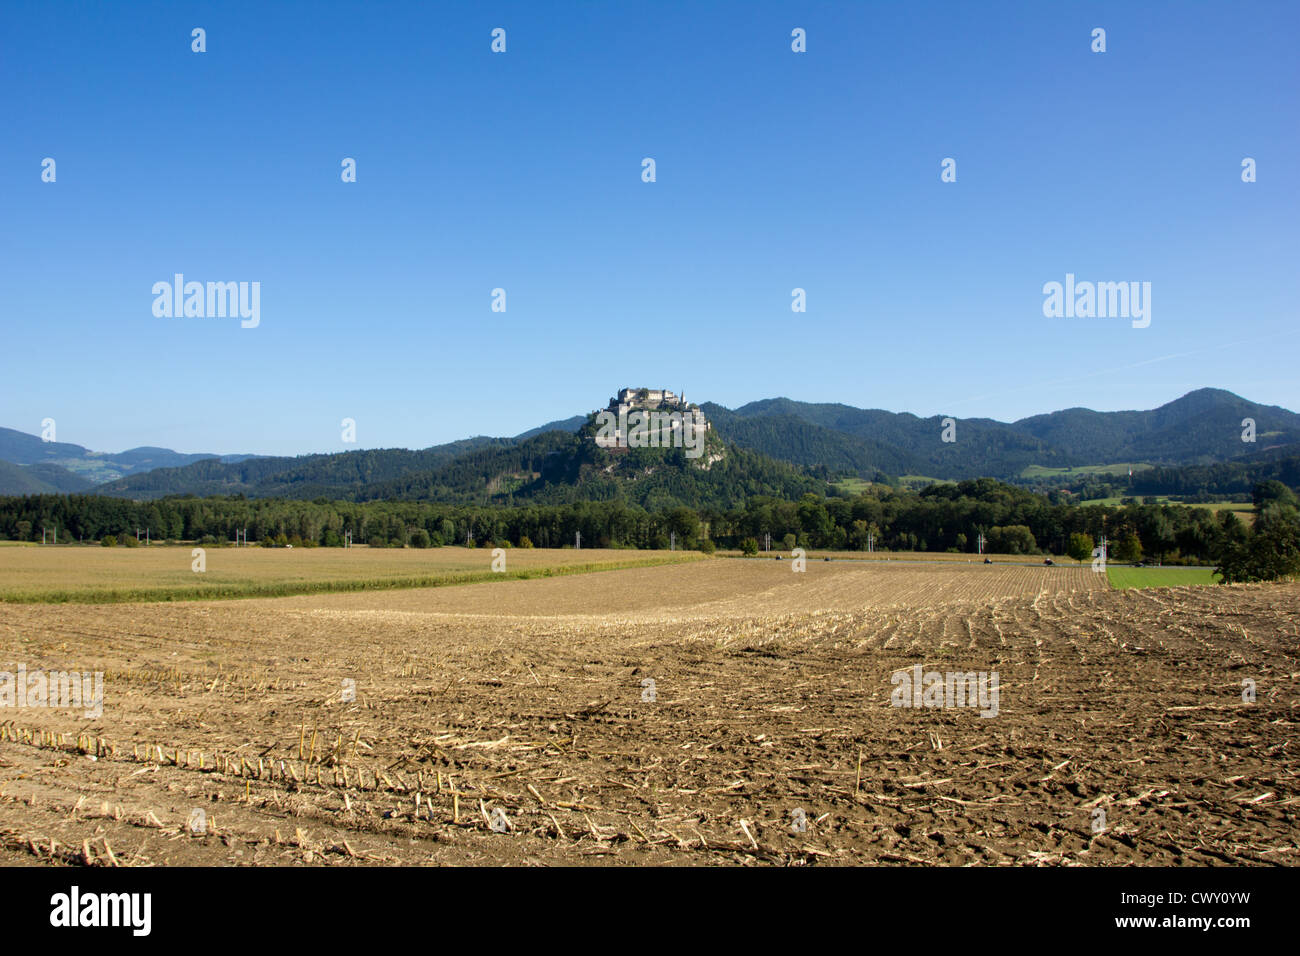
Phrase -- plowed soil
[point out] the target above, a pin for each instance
(530, 703)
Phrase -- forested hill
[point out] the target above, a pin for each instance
(820, 441)
(36, 457)
(1202, 427)
(343, 475)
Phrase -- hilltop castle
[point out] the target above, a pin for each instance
(655, 412)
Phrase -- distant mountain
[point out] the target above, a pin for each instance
(20, 448)
(563, 425)
(58, 478)
(1200, 428)
(774, 446)
(554, 467)
(39, 479)
(340, 475)
(782, 434)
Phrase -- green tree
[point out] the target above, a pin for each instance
(1080, 546)
(1129, 548)
(1269, 553)
(1012, 539)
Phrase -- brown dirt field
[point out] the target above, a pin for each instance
(772, 694)
(719, 588)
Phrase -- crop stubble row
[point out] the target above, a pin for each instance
(772, 694)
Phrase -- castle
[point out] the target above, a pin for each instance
(656, 406)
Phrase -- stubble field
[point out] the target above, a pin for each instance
(88, 574)
(689, 714)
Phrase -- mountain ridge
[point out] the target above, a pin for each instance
(1202, 427)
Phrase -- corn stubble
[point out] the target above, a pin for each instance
(772, 693)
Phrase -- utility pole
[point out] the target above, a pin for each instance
(672, 540)
(577, 540)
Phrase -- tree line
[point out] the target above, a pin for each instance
(940, 518)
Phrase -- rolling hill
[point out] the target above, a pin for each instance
(774, 446)
(94, 468)
(1202, 427)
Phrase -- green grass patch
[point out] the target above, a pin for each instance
(1123, 578)
(916, 482)
(1244, 510)
(1118, 468)
(857, 486)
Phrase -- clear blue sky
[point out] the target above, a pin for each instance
(522, 170)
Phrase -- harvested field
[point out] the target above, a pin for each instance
(924, 557)
(771, 694)
(89, 574)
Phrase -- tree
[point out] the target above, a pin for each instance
(685, 523)
(814, 519)
(749, 547)
(1271, 550)
(1012, 539)
(109, 541)
(1080, 546)
(1128, 549)
(1267, 555)
(1270, 492)
(419, 538)
(1157, 531)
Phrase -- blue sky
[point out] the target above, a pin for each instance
(522, 171)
